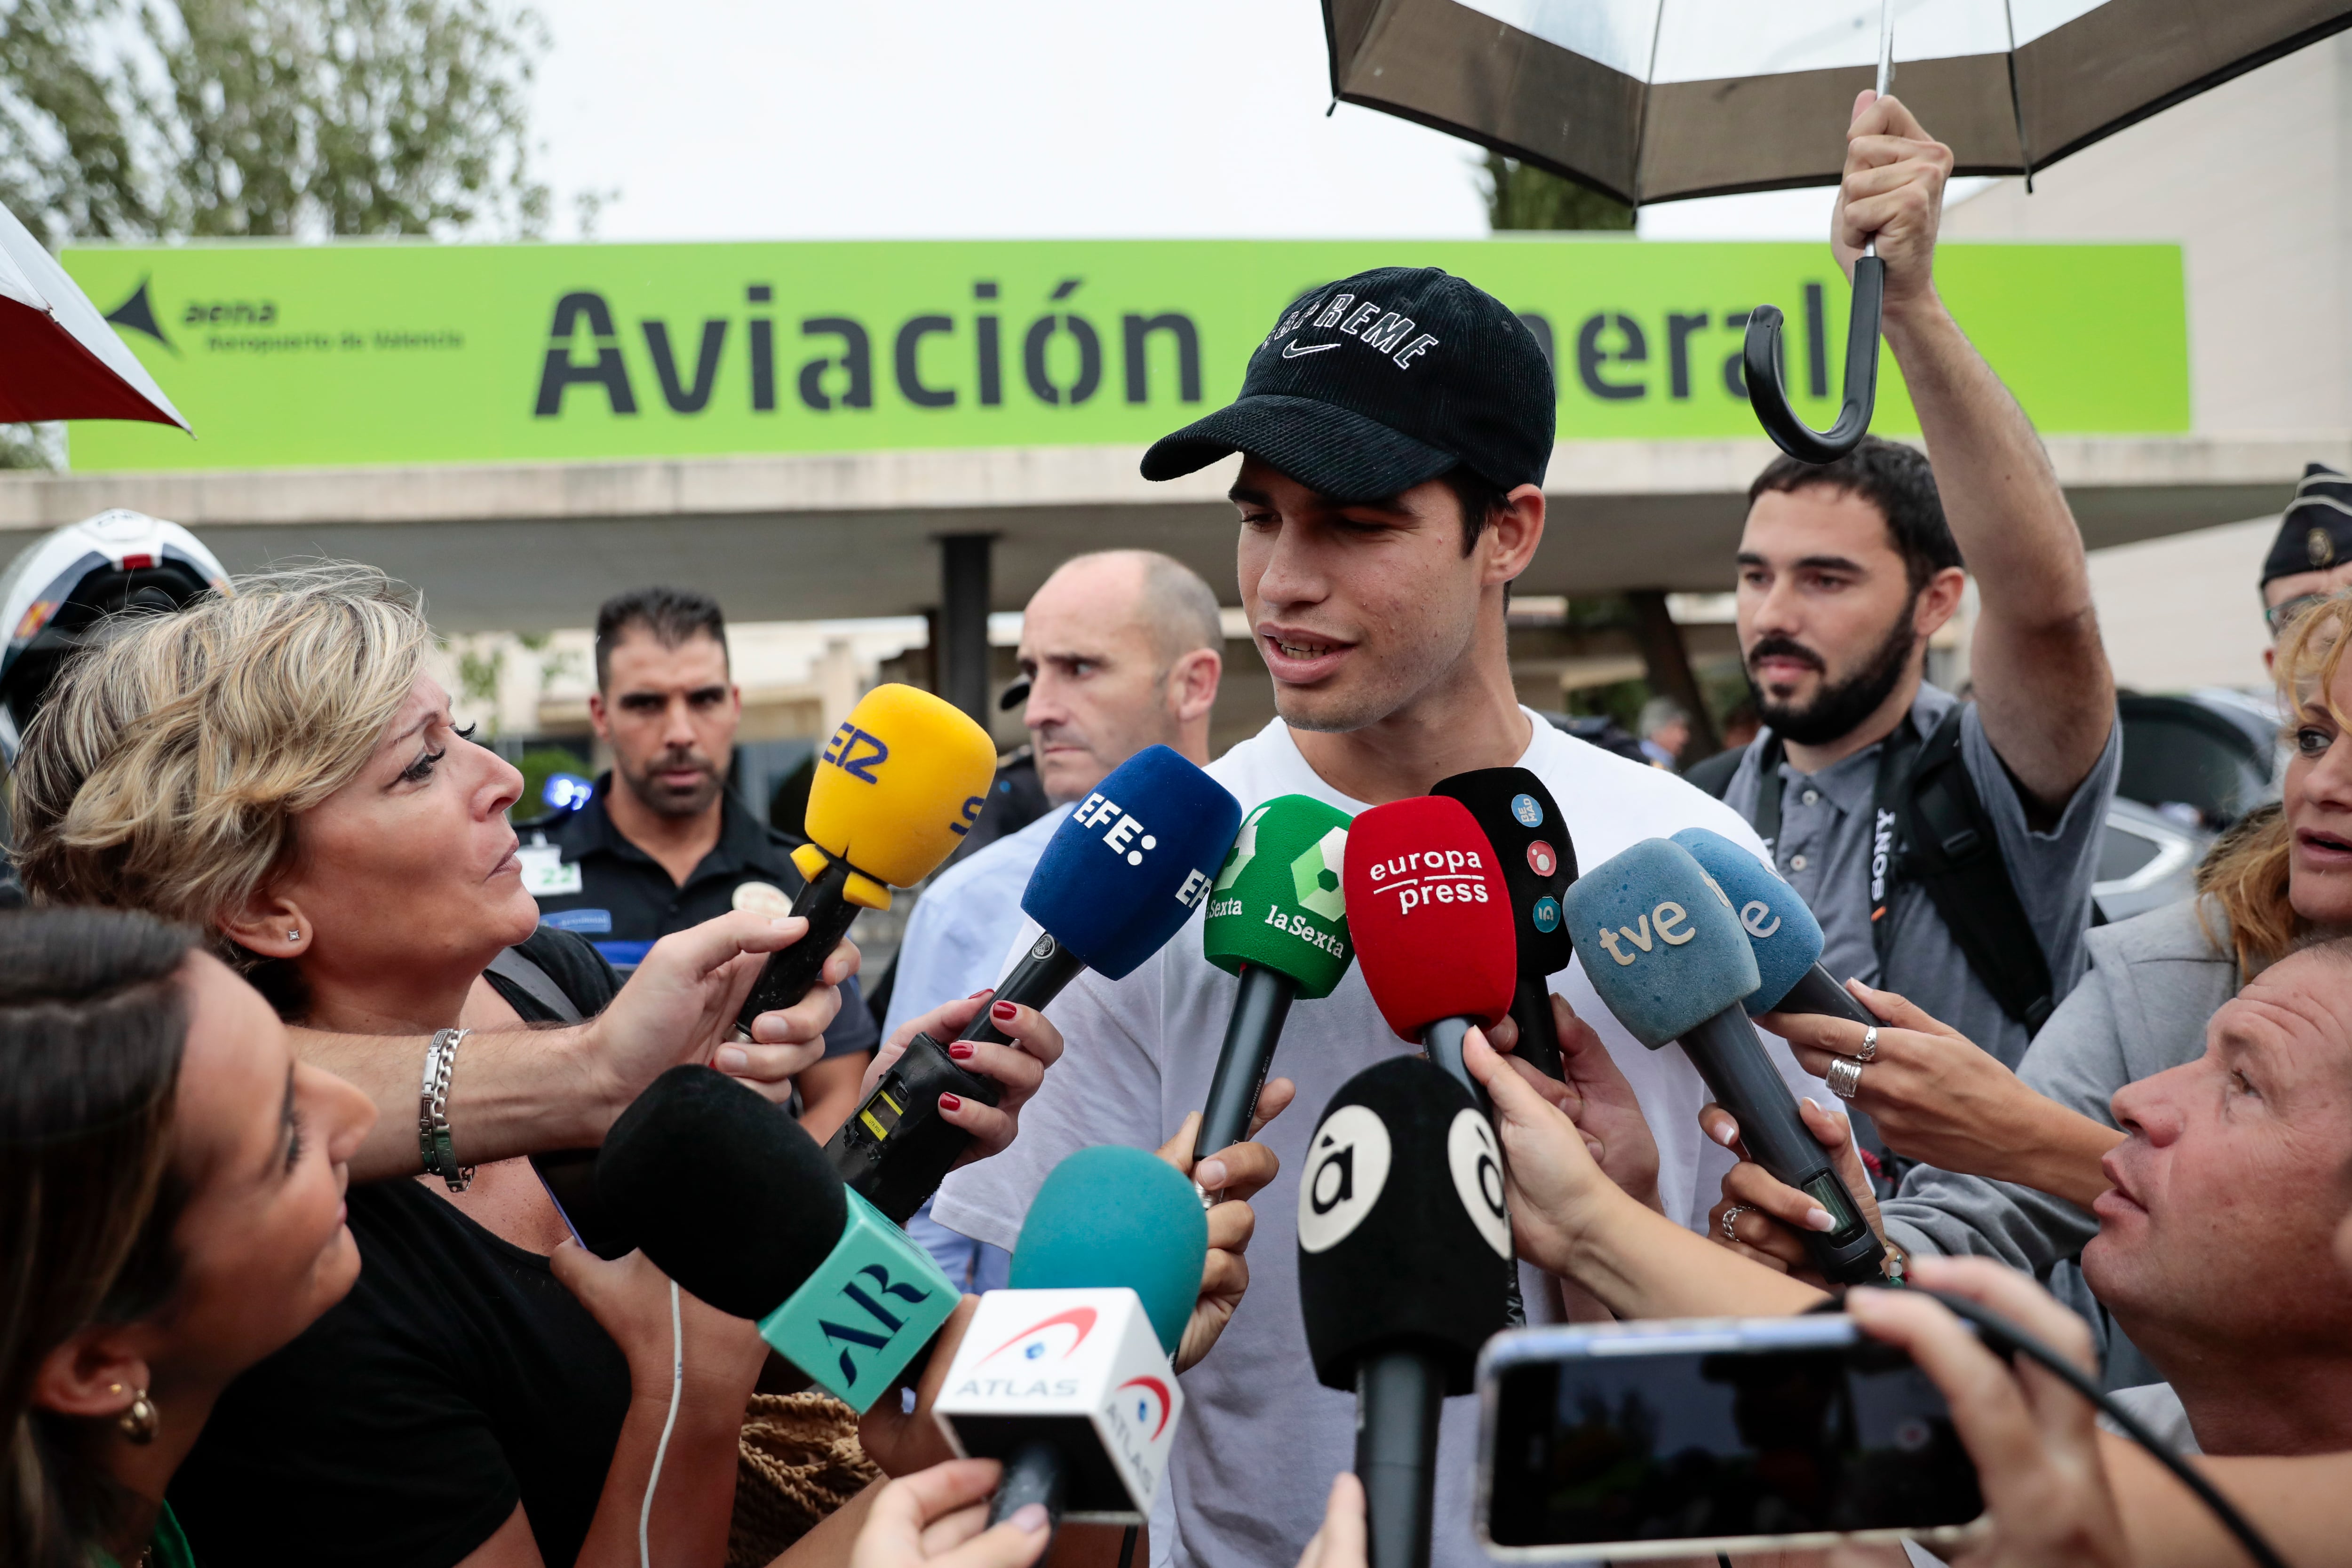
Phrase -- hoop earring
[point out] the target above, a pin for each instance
(138, 1423)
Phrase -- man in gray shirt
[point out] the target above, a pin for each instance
(1845, 571)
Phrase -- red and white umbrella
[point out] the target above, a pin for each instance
(58, 358)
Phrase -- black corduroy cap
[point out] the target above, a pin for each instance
(2316, 532)
(1369, 386)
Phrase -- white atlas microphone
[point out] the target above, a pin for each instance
(1065, 1376)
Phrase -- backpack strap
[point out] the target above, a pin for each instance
(532, 982)
(1943, 840)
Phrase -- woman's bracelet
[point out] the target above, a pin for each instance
(433, 1138)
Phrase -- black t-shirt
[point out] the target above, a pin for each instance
(458, 1378)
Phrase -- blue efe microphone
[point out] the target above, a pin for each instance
(1120, 877)
(1785, 937)
(1674, 963)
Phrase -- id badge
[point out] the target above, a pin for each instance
(545, 874)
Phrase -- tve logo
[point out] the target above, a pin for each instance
(857, 753)
(1432, 876)
(1661, 925)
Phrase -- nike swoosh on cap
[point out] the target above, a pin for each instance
(1293, 352)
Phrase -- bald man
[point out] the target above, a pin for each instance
(1122, 651)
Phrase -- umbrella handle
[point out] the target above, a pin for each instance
(1770, 398)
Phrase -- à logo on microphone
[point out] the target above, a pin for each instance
(1432, 876)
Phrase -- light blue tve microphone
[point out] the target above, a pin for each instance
(1785, 937)
(1663, 945)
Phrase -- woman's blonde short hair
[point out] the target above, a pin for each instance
(167, 768)
(2246, 872)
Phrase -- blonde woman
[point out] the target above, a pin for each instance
(274, 768)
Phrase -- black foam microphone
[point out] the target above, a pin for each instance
(1523, 823)
(1404, 1256)
(731, 1199)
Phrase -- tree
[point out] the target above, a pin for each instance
(306, 118)
(135, 119)
(1522, 197)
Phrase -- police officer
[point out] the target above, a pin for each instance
(664, 843)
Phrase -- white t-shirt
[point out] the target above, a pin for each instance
(1260, 1439)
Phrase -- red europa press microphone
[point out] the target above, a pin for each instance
(1431, 919)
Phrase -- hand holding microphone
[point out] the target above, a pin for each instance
(896, 787)
(1674, 963)
(1118, 878)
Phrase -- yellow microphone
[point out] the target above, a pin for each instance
(897, 787)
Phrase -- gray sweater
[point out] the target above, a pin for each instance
(2154, 981)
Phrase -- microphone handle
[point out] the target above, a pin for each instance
(1442, 1042)
(1816, 991)
(1399, 1393)
(895, 1148)
(1251, 1035)
(787, 976)
(1032, 1474)
(1034, 981)
(1538, 1035)
(1731, 1059)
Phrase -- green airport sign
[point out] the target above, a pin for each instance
(286, 355)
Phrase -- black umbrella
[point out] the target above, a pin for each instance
(1654, 100)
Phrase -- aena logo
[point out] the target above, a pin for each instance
(858, 753)
(1056, 1338)
(1345, 1169)
(851, 1336)
(1661, 925)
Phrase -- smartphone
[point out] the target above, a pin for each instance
(1693, 1436)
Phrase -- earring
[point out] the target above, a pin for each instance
(295, 934)
(138, 1423)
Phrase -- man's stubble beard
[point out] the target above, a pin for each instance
(1837, 708)
(664, 804)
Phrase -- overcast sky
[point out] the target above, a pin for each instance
(1045, 118)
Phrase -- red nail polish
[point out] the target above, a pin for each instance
(950, 1101)
(978, 994)
(960, 1051)
(1004, 1012)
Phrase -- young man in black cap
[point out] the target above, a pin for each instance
(1393, 428)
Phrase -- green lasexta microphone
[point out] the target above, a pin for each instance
(1278, 921)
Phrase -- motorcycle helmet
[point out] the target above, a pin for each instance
(64, 583)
